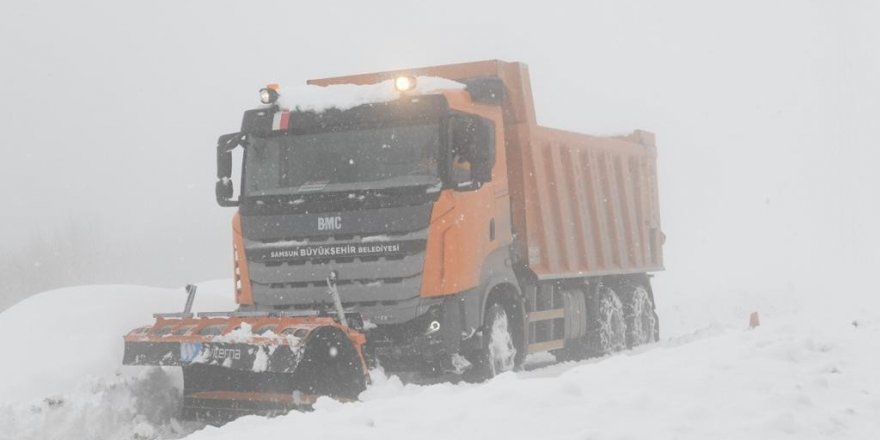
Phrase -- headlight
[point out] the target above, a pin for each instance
(269, 94)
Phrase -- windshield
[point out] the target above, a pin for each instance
(363, 158)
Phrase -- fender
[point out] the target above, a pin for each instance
(496, 271)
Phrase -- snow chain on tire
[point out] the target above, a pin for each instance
(642, 325)
(606, 322)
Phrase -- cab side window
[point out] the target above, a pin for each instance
(472, 151)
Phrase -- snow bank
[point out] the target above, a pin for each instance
(345, 96)
(62, 376)
(140, 407)
(55, 340)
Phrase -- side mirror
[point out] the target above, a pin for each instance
(224, 189)
(224, 164)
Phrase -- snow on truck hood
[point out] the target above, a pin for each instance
(346, 96)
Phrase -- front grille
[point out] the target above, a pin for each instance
(370, 282)
(379, 257)
(344, 260)
(364, 281)
(330, 238)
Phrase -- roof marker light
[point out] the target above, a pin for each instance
(405, 83)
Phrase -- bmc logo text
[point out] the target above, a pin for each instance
(329, 223)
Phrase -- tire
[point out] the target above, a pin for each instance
(642, 324)
(577, 349)
(606, 323)
(499, 352)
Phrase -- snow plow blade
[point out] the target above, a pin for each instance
(239, 364)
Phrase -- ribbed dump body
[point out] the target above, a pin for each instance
(587, 205)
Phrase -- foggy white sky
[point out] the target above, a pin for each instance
(765, 115)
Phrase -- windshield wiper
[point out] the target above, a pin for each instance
(405, 181)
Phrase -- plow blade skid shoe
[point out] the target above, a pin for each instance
(266, 365)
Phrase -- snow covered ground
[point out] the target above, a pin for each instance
(811, 370)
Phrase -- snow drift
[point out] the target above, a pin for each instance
(62, 376)
(144, 406)
(61, 336)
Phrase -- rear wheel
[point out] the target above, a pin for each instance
(607, 326)
(642, 325)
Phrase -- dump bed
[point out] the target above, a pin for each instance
(585, 205)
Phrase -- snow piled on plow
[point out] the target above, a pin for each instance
(809, 371)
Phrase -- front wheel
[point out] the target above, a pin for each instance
(499, 352)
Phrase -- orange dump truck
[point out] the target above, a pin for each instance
(426, 223)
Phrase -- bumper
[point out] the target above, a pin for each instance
(411, 354)
(429, 340)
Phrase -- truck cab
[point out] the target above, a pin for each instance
(405, 201)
